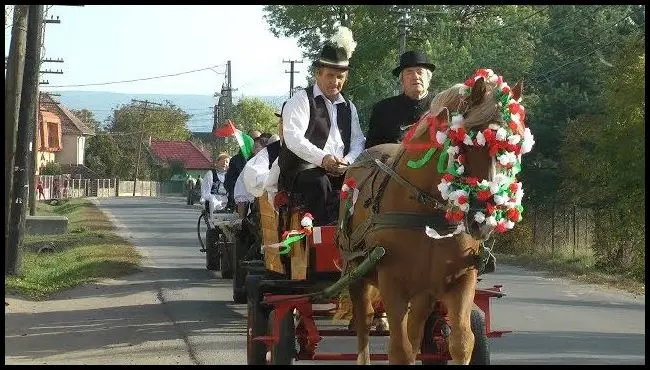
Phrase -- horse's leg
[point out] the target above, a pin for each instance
(396, 306)
(362, 314)
(421, 308)
(459, 302)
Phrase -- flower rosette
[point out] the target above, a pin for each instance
(499, 200)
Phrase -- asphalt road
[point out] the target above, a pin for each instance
(177, 312)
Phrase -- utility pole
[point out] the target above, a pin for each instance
(292, 71)
(13, 89)
(144, 114)
(33, 198)
(27, 117)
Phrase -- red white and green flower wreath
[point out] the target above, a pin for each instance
(502, 196)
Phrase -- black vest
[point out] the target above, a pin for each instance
(216, 184)
(317, 133)
(274, 150)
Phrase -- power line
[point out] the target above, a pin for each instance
(140, 79)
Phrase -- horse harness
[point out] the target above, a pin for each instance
(377, 220)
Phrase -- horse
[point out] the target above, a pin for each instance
(397, 196)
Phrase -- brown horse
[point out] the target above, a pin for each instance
(394, 204)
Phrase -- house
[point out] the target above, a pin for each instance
(61, 136)
(196, 160)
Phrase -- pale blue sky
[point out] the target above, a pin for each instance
(103, 43)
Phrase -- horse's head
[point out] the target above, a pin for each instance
(479, 128)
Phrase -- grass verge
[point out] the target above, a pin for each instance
(90, 251)
(579, 268)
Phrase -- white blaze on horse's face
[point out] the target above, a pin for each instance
(480, 230)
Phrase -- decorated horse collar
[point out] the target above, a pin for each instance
(499, 198)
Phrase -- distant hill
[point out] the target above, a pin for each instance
(200, 106)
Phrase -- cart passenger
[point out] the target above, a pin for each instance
(321, 133)
(213, 192)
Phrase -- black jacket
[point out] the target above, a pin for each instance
(391, 113)
(235, 167)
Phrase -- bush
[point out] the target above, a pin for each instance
(52, 168)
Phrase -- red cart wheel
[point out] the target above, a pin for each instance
(257, 323)
(284, 352)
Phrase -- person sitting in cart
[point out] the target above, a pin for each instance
(236, 165)
(213, 191)
(321, 133)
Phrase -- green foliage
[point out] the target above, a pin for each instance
(604, 161)
(52, 168)
(254, 114)
(87, 117)
(177, 167)
(113, 152)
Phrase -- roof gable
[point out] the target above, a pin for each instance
(192, 157)
(71, 124)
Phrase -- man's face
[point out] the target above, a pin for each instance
(415, 80)
(222, 164)
(330, 81)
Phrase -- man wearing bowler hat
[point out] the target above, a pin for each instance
(391, 117)
(321, 133)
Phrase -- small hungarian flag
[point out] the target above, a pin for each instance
(245, 142)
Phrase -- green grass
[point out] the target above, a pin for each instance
(580, 268)
(90, 251)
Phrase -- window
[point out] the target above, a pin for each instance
(53, 135)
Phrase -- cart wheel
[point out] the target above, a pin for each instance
(481, 353)
(284, 352)
(211, 251)
(225, 250)
(258, 317)
(435, 326)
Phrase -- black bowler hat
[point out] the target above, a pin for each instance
(337, 51)
(279, 115)
(413, 59)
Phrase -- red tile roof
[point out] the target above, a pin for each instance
(193, 157)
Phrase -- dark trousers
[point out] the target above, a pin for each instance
(319, 193)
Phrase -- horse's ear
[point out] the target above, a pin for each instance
(478, 92)
(518, 90)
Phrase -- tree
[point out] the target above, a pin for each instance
(52, 168)
(112, 152)
(254, 114)
(88, 117)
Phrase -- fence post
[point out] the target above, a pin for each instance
(574, 231)
(553, 231)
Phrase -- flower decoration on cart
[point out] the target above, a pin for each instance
(291, 236)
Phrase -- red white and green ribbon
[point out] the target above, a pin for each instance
(292, 236)
(349, 193)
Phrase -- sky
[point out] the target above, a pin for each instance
(106, 43)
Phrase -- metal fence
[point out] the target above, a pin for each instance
(61, 187)
(561, 229)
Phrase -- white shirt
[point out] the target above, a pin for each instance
(206, 186)
(255, 173)
(295, 118)
(240, 193)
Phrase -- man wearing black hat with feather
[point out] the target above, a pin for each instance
(321, 133)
